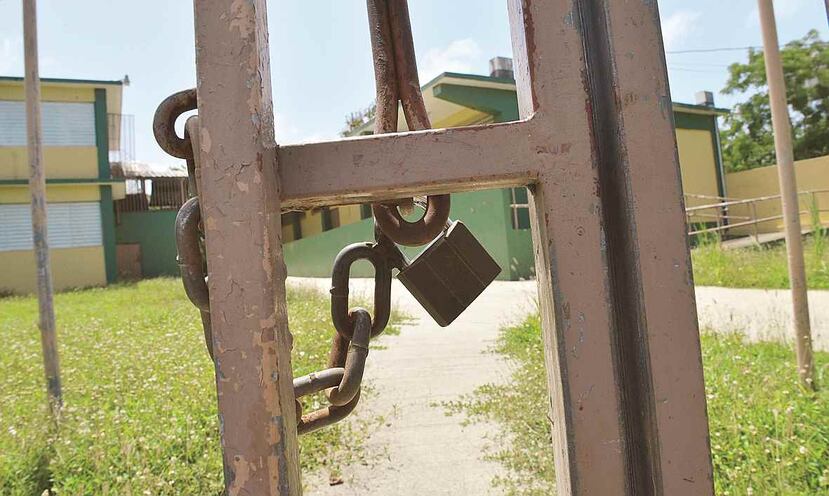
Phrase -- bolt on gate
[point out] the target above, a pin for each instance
(597, 150)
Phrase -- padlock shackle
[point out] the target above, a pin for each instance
(340, 276)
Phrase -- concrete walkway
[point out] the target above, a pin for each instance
(761, 314)
(419, 450)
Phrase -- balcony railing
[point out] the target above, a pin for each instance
(121, 128)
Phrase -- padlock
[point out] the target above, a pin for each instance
(450, 273)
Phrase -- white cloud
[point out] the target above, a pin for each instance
(11, 57)
(678, 27)
(459, 56)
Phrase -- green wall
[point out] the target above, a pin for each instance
(482, 211)
(155, 232)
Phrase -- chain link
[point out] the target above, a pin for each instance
(395, 73)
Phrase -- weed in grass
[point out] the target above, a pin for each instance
(768, 435)
(139, 390)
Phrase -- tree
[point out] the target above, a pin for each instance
(747, 137)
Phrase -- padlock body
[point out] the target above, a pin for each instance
(450, 274)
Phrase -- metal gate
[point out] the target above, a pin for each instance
(596, 148)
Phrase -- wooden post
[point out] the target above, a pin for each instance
(788, 193)
(241, 210)
(37, 185)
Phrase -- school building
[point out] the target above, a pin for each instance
(81, 126)
(111, 217)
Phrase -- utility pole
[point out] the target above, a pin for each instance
(788, 192)
(827, 10)
(37, 185)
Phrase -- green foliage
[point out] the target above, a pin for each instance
(139, 390)
(356, 120)
(747, 138)
(768, 436)
(759, 267)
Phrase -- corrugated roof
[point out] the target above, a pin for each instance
(132, 170)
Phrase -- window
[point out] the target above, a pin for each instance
(64, 124)
(70, 225)
(520, 208)
(365, 211)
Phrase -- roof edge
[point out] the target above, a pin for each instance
(65, 80)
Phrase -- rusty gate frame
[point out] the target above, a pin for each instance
(597, 149)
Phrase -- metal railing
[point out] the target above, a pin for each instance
(150, 194)
(121, 132)
(720, 217)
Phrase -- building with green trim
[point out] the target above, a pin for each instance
(81, 126)
(499, 218)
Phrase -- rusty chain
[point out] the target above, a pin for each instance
(354, 327)
(397, 81)
(395, 73)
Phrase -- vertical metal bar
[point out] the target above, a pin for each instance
(37, 185)
(241, 207)
(756, 227)
(615, 281)
(788, 191)
(571, 265)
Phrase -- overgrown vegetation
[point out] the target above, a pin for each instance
(768, 435)
(139, 390)
(748, 140)
(759, 267)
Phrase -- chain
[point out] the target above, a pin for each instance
(397, 81)
(395, 73)
(355, 327)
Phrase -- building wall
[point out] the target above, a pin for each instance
(76, 159)
(480, 211)
(812, 175)
(488, 213)
(71, 267)
(154, 231)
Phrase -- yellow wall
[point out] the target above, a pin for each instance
(13, 90)
(62, 162)
(812, 174)
(698, 166)
(66, 92)
(311, 223)
(55, 193)
(71, 268)
(349, 214)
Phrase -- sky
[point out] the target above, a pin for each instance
(321, 56)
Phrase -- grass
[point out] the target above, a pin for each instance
(768, 436)
(139, 390)
(759, 267)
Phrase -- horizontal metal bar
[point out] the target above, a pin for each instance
(751, 200)
(384, 167)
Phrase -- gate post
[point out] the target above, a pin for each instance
(241, 211)
(614, 273)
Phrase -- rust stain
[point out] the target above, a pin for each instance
(243, 17)
(205, 141)
(241, 475)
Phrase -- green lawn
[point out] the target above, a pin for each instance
(139, 389)
(767, 435)
(760, 267)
